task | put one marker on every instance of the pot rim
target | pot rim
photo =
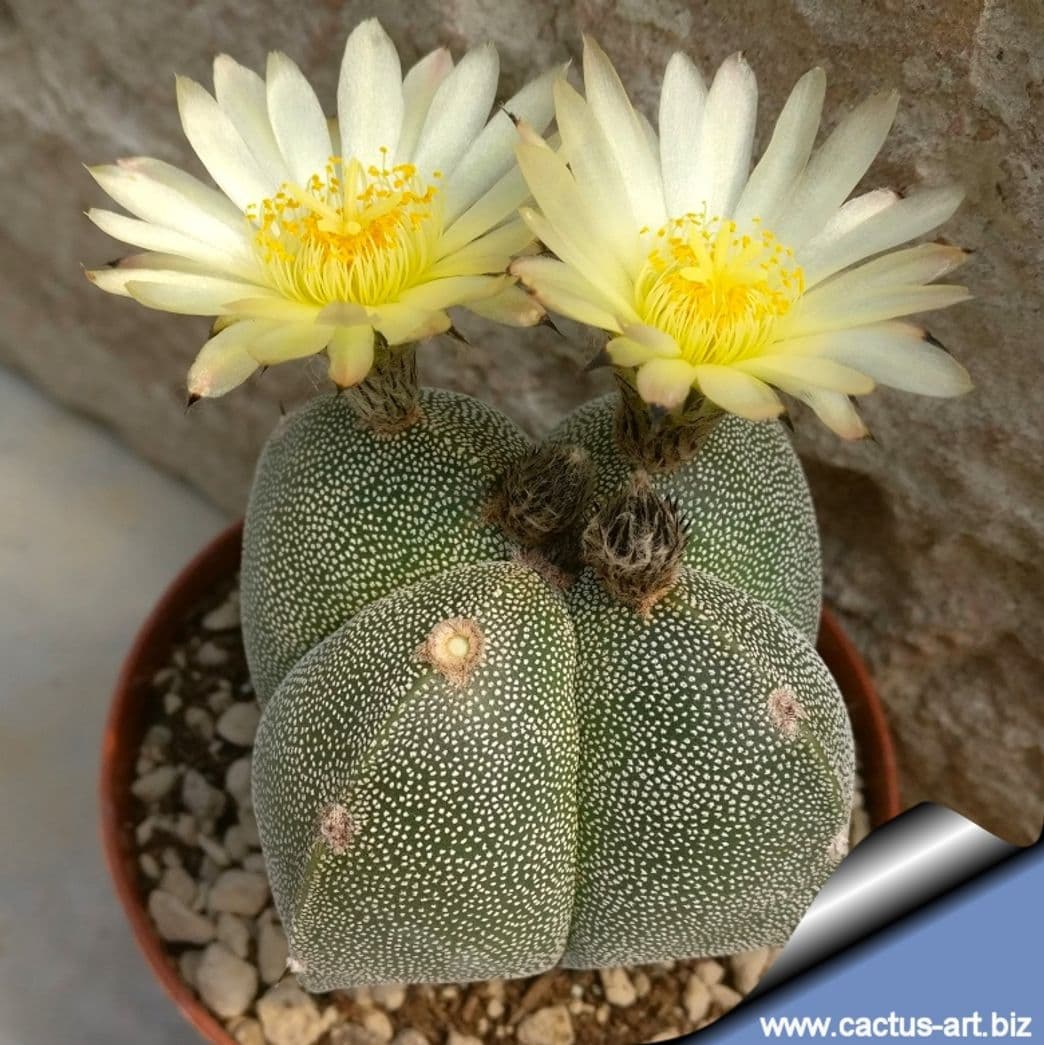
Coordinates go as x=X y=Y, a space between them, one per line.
x=218 y=559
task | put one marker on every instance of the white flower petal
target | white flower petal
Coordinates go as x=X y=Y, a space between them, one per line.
x=894 y=354
x=400 y=324
x=600 y=185
x=188 y=293
x=274 y=308
x=297 y=118
x=920 y=264
x=455 y=290
x=726 y=137
x=223 y=363
x=808 y=370
x=343 y=314
x=682 y=98
x=220 y=146
x=665 y=382
x=148 y=268
x=638 y=162
x=169 y=241
x=836 y=167
x=834 y=410
x=458 y=111
x=738 y=393
x=290 y=341
x=502 y=200
x=488 y=254
x=565 y=217
x=655 y=340
x=492 y=153
x=512 y=306
x=418 y=89
x=241 y=94
x=826 y=309
x=564 y=290
x=351 y=355
x=768 y=187
x=370 y=95
x=156 y=192
x=878 y=224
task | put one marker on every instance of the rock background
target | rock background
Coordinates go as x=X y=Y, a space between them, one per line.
x=933 y=534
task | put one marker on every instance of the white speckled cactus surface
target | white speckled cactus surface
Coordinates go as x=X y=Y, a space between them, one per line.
x=528 y=706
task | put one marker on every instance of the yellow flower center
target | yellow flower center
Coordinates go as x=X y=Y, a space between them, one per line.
x=717 y=291
x=349 y=234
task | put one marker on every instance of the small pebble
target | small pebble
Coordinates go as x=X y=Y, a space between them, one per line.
x=619 y=990
x=748 y=967
x=725 y=997
x=219 y=701
x=602 y=1014
x=495 y=1009
x=224 y=617
x=254 y=862
x=235 y=845
x=143 y=832
x=550 y=1026
x=248 y=822
x=247 y=1032
x=185 y=828
x=188 y=964
x=155 y=742
x=178 y=882
x=390 y=996
x=214 y=851
x=226 y=983
x=710 y=971
x=237 y=782
x=199 y=798
x=210 y=655
x=697 y=998
x=232 y=931
x=352 y=1034
x=149 y=865
x=239 y=892
x=667 y=1034
x=170 y=857
x=239 y=723
x=200 y=722
x=410 y=1036
x=456 y=1038
x=176 y=922
x=271 y=951
x=171 y=703
x=378 y=1024
x=642 y=984
x=289 y=1016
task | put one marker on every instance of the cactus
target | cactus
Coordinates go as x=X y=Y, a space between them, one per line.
x=480 y=776
x=738 y=484
x=414 y=780
x=356 y=495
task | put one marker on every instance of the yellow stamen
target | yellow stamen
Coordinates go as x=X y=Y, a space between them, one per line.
x=348 y=234
x=717 y=291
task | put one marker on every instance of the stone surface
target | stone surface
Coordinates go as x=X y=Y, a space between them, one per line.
x=619 y=990
x=550 y=1026
x=175 y=921
x=239 y=892
x=271 y=951
x=225 y=982
x=289 y=1016
x=931 y=534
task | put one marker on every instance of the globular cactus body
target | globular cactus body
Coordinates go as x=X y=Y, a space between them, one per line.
x=414 y=782
x=715 y=775
x=744 y=498
x=340 y=515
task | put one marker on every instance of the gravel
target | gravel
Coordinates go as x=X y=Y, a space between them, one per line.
x=202 y=875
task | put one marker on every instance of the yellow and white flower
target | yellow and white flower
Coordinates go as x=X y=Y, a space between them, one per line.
x=326 y=231
x=736 y=283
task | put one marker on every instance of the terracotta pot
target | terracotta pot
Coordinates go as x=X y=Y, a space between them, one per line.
x=213 y=566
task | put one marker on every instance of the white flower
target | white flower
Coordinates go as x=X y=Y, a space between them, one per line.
x=713 y=277
x=326 y=231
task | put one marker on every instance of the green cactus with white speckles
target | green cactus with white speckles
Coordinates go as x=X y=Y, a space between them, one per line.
x=347 y=507
x=592 y=752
